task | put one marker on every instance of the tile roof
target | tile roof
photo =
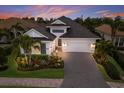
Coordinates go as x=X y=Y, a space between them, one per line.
x=106 y=29
x=76 y=30
x=26 y=25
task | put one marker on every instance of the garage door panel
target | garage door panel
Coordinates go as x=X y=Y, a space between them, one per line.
x=78 y=46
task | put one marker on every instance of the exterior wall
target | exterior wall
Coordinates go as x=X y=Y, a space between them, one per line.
x=107 y=37
x=78 y=44
x=50 y=46
x=36 y=50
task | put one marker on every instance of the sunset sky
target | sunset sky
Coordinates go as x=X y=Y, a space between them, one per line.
x=54 y=11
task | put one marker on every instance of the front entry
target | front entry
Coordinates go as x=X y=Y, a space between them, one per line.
x=59 y=46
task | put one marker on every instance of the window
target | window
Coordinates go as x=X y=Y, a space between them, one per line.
x=59 y=42
x=58 y=31
x=121 y=42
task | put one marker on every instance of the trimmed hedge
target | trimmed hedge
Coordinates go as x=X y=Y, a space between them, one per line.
x=4 y=67
x=119 y=57
x=113 y=69
x=104 y=73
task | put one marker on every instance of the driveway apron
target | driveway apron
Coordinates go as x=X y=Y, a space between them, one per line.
x=80 y=71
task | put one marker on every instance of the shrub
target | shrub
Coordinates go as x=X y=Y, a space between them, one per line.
x=119 y=57
x=106 y=47
x=113 y=69
x=3 y=67
x=3 y=57
x=39 y=62
x=8 y=50
x=104 y=73
x=40 y=59
x=56 y=62
x=36 y=59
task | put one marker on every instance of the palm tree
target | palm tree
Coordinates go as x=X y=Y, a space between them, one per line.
x=115 y=24
x=4 y=33
x=25 y=42
x=16 y=27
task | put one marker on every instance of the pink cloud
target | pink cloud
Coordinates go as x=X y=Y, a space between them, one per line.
x=57 y=12
x=108 y=13
x=45 y=11
x=116 y=14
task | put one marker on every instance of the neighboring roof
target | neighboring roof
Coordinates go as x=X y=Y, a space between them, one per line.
x=106 y=29
x=26 y=25
x=76 y=30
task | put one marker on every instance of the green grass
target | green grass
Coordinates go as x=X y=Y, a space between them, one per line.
x=103 y=72
x=43 y=73
x=119 y=69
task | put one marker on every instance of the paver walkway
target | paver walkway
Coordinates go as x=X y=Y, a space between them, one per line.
x=30 y=82
x=80 y=71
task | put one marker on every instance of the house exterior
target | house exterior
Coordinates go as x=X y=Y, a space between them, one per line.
x=105 y=32
x=63 y=35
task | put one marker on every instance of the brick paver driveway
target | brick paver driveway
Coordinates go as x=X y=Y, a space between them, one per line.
x=80 y=71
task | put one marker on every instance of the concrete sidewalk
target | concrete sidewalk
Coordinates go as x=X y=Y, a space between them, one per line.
x=30 y=82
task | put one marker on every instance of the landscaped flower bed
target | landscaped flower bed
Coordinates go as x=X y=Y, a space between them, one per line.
x=38 y=62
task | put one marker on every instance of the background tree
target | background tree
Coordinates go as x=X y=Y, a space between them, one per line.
x=14 y=28
x=40 y=20
x=32 y=19
x=79 y=20
x=115 y=25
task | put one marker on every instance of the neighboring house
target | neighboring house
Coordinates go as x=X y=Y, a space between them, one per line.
x=67 y=36
x=105 y=32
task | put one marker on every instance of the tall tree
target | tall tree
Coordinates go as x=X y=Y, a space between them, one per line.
x=40 y=20
x=115 y=25
x=79 y=20
x=16 y=27
x=25 y=42
x=32 y=18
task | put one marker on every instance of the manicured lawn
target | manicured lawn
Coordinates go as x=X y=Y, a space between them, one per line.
x=43 y=73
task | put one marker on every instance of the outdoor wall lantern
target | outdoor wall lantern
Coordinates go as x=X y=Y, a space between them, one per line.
x=93 y=45
x=64 y=44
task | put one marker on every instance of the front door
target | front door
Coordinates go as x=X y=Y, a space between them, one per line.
x=43 y=48
x=59 y=42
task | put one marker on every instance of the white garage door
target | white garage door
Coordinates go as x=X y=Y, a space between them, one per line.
x=78 y=46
